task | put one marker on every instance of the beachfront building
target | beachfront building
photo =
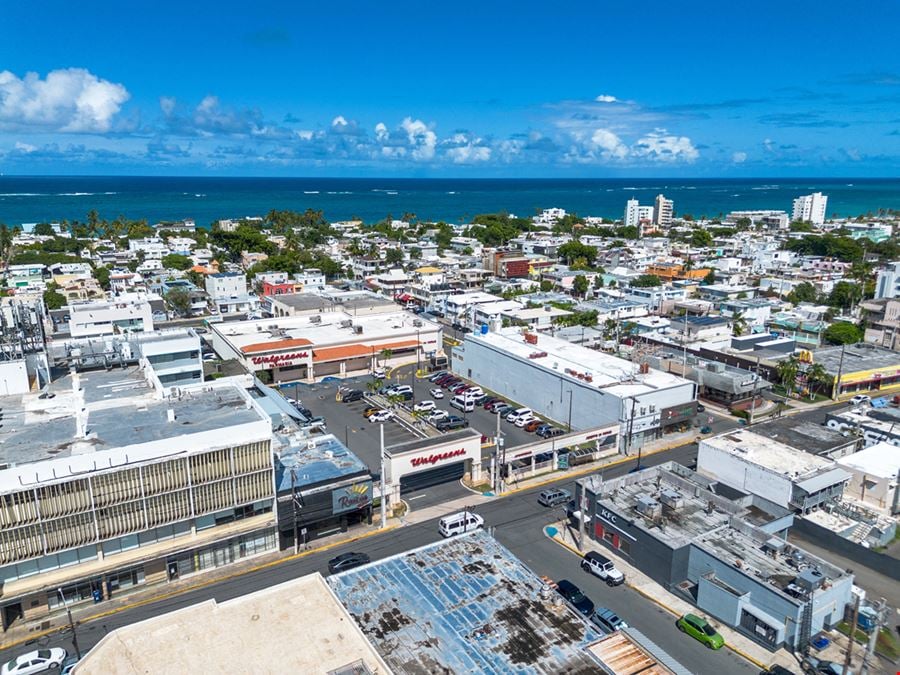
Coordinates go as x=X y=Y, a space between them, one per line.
x=810 y=208
x=663 y=211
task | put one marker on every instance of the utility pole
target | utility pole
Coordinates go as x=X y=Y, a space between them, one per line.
x=753 y=391
x=71 y=623
x=881 y=609
x=501 y=465
x=846 y=670
x=583 y=512
x=836 y=387
x=294 y=507
x=569 y=424
x=383 y=481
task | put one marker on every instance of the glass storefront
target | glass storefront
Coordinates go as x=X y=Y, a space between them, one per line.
x=220 y=554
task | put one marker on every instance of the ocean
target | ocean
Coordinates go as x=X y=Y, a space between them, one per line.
x=31 y=199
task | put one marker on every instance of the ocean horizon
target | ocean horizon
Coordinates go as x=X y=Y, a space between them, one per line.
x=31 y=199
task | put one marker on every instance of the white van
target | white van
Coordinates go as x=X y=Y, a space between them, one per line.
x=515 y=415
x=457 y=523
x=462 y=403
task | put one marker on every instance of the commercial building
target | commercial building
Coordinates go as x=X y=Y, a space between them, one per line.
x=356 y=303
x=861 y=367
x=759 y=465
x=113 y=484
x=810 y=208
x=237 y=636
x=465 y=605
x=767 y=218
x=330 y=344
x=874 y=474
x=577 y=387
x=663 y=211
x=127 y=313
x=719 y=549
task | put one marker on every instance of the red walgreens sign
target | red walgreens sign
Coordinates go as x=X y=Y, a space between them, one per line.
x=437 y=457
x=278 y=359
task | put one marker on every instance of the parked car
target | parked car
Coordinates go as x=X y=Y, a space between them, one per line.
x=501 y=409
x=490 y=405
x=69 y=665
x=777 y=670
x=815 y=666
x=522 y=420
x=607 y=620
x=601 y=566
x=437 y=415
x=436 y=376
x=859 y=399
x=451 y=422
x=533 y=425
x=701 y=408
x=517 y=414
x=424 y=406
x=701 y=630
x=573 y=595
x=549 y=431
x=371 y=410
x=553 y=497
x=352 y=395
x=37 y=661
x=477 y=399
x=490 y=400
x=437 y=393
x=347 y=561
x=378 y=373
x=381 y=416
x=461 y=388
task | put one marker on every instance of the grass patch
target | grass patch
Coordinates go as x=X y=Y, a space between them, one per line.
x=886 y=645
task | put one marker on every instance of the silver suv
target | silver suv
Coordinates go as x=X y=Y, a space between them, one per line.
x=554 y=497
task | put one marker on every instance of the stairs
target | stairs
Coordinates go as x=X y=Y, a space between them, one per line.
x=860 y=533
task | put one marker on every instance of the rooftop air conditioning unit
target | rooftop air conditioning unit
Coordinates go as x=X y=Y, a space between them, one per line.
x=315 y=318
x=671 y=498
x=346 y=323
x=358 y=330
x=417 y=323
x=649 y=507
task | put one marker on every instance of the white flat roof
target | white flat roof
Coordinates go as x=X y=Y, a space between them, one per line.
x=608 y=372
x=280 y=331
x=768 y=453
x=881 y=459
x=314 y=634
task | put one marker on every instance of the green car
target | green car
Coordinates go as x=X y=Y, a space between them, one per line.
x=701 y=630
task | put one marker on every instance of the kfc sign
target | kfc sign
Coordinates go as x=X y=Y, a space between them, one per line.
x=437 y=457
x=278 y=359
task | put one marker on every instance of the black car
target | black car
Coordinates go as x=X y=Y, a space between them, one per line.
x=352 y=395
x=451 y=422
x=777 y=670
x=347 y=561
x=575 y=597
x=701 y=408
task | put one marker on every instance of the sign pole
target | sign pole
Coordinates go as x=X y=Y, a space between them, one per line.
x=383 y=481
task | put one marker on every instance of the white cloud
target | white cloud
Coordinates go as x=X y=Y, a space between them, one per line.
x=381 y=132
x=24 y=147
x=606 y=98
x=339 y=122
x=167 y=105
x=68 y=100
x=739 y=157
x=660 y=146
x=609 y=144
x=422 y=139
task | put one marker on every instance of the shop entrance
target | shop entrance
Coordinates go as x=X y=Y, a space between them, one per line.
x=11 y=614
x=425 y=479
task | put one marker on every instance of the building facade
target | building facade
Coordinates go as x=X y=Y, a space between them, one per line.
x=810 y=208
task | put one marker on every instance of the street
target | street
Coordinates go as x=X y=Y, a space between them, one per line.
x=518 y=522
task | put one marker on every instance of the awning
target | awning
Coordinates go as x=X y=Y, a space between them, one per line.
x=823 y=480
x=273 y=346
x=767 y=619
x=340 y=353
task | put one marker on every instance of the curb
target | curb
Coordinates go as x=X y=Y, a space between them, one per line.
x=207 y=582
x=744 y=655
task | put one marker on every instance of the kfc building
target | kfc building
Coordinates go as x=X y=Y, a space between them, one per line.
x=331 y=344
x=424 y=462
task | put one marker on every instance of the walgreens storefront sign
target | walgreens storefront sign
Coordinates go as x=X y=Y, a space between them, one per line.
x=437 y=457
x=275 y=360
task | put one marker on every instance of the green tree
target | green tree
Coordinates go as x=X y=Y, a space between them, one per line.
x=701 y=238
x=580 y=285
x=710 y=278
x=386 y=355
x=598 y=281
x=101 y=274
x=179 y=300
x=843 y=333
x=6 y=238
x=53 y=299
x=44 y=230
x=574 y=250
x=646 y=281
x=818 y=378
x=844 y=295
x=176 y=261
x=415 y=253
x=394 y=256
x=800 y=226
x=802 y=292
x=546 y=285
x=739 y=324
x=787 y=372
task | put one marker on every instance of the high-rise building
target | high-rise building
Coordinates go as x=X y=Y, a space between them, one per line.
x=810 y=208
x=662 y=213
x=631 y=213
x=887 y=284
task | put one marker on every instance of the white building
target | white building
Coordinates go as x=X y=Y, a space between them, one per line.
x=228 y=293
x=888 y=282
x=663 y=211
x=810 y=208
x=153 y=248
x=769 y=218
x=576 y=386
x=874 y=474
x=631 y=217
x=127 y=313
x=763 y=466
x=457 y=307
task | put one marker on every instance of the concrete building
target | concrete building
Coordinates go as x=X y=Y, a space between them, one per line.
x=330 y=344
x=235 y=636
x=663 y=211
x=575 y=386
x=357 y=303
x=874 y=474
x=228 y=293
x=882 y=322
x=810 y=208
x=720 y=549
x=126 y=313
x=861 y=368
x=112 y=485
x=631 y=218
x=759 y=465
x=766 y=218
x=465 y=605
x=887 y=285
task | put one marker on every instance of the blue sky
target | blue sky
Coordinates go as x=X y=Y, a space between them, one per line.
x=450 y=89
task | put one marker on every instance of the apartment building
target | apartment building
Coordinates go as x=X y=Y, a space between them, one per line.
x=113 y=485
x=663 y=211
x=810 y=208
x=887 y=285
x=127 y=313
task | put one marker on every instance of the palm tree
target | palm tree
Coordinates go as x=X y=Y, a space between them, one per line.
x=787 y=370
x=738 y=324
x=818 y=377
x=386 y=355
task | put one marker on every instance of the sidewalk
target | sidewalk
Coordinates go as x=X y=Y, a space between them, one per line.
x=677 y=606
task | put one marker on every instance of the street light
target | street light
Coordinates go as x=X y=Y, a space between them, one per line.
x=71 y=623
